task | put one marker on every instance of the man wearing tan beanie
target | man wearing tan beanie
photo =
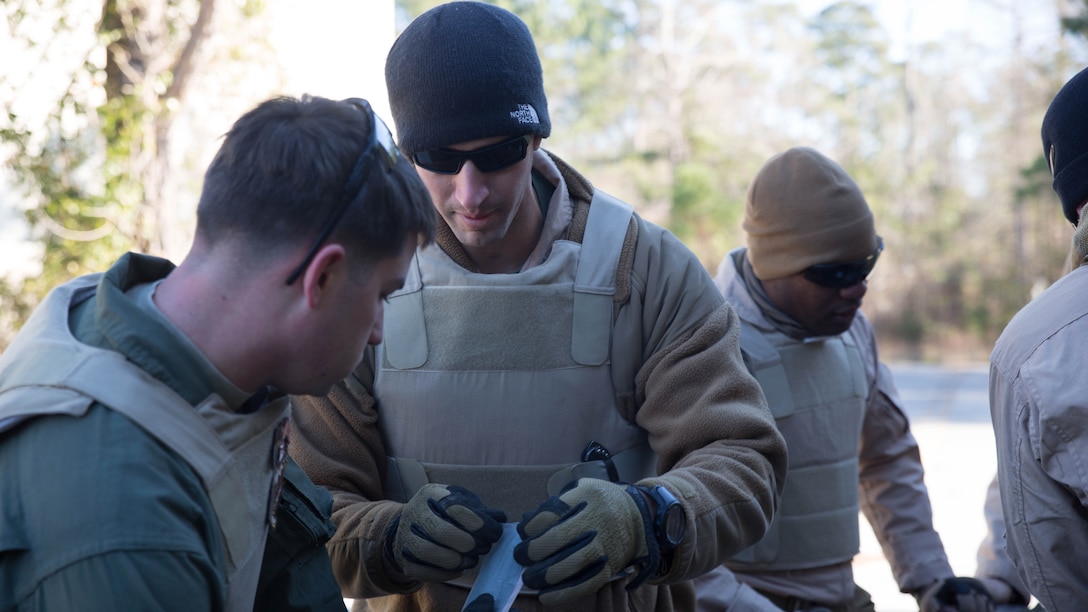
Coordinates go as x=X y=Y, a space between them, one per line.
x=797 y=289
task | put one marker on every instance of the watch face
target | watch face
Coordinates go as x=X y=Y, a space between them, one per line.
x=670 y=521
x=674 y=524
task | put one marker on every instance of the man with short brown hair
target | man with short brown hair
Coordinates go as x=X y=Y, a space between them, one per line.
x=144 y=425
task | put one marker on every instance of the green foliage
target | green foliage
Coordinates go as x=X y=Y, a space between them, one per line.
x=128 y=122
x=78 y=181
x=671 y=105
x=1035 y=179
x=254 y=8
x=674 y=106
x=74 y=222
x=583 y=45
x=851 y=45
x=91 y=169
x=1077 y=24
x=701 y=217
x=855 y=79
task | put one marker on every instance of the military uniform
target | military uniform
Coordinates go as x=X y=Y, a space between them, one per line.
x=134 y=476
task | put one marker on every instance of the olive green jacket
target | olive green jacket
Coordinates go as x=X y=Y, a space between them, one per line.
x=97 y=514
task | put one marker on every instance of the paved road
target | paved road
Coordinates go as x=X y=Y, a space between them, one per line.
x=950 y=417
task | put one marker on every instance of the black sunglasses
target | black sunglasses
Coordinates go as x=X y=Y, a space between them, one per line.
x=491 y=158
x=379 y=145
x=843 y=275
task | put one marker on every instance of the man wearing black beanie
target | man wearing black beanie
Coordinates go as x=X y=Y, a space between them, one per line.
x=1065 y=144
x=560 y=383
x=1039 y=397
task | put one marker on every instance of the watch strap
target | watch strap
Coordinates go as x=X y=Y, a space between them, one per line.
x=651 y=563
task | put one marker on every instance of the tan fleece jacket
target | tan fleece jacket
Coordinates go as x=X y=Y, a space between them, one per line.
x=706 y=417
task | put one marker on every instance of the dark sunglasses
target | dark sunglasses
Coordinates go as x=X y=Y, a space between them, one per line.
x=843 y=275
x=491 y=158
x=380 y=145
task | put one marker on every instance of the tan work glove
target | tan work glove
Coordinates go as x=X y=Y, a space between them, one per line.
x=442 y=531
x=575 y=543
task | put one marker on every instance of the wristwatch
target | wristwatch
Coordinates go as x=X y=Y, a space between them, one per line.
x=670 y=523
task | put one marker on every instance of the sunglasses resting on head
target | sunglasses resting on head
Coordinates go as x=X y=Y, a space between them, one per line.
x=491 y=158
x=379 y=148
x=843 y=275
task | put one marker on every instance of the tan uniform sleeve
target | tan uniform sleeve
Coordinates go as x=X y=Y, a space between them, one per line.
x=893 y=493
x=706 y=416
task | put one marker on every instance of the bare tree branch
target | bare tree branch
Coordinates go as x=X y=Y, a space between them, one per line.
x=66 y=233
x=184 y=66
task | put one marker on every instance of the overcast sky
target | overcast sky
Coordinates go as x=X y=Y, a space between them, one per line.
x=992 y=22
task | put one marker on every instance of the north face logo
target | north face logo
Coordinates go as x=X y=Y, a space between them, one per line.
x=525 y=114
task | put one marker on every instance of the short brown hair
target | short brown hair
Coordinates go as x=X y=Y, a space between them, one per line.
x=280 y=172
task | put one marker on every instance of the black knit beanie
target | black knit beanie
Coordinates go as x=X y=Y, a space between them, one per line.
x=1065 y=143
x=465 y=71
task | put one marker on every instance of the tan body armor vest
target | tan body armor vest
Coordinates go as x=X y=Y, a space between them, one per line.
x=46 y=371
x=816 y=391
x=498 y=382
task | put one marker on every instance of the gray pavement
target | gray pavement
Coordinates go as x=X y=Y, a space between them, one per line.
x=949 y=411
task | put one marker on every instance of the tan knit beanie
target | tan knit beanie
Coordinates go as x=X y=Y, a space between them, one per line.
x=803 y=209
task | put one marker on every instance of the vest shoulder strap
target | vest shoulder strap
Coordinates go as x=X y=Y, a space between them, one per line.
x=595 y=280
x=54 y=373
x=765 y=362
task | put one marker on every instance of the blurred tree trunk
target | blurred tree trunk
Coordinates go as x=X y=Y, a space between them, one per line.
x=150 y=57
x=93 y=165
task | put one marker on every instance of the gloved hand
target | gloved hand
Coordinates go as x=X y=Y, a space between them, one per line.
x=1006 y=598
x=442 y=531
x=575 y=543
x=999 y=590
x=951 y=594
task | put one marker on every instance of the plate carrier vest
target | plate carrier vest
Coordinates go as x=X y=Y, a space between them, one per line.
x=47 y=371
x=819 y=411
x=498 y=382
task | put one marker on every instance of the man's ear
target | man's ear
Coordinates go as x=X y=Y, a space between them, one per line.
x=327 y=272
